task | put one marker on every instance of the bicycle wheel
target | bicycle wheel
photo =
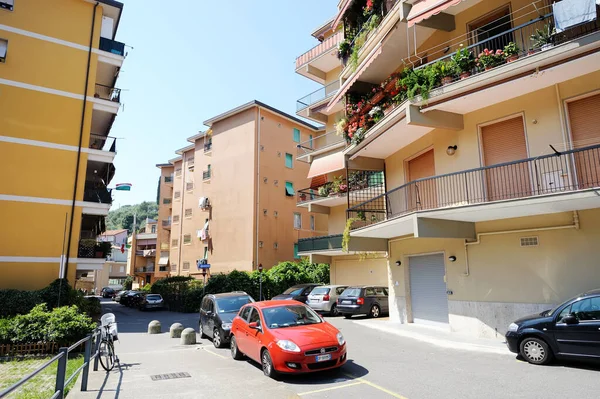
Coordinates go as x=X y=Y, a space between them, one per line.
x=107 y=355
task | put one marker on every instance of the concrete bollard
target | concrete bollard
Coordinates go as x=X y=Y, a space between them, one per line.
x=175 y=330
x=154 y=327
x=188 y=337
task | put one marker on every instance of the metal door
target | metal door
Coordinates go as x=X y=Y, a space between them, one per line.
x=428 y=289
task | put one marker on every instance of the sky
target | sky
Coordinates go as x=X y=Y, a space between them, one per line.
x=190 y=60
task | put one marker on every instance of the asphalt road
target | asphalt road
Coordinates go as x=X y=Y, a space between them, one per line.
x=379 y=366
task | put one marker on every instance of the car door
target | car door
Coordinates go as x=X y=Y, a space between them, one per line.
x=583 y=337
x=382 y=297
x=240 y=329
x=370 y=298
x=203 y=314
x=254 y=336
x=210 y=317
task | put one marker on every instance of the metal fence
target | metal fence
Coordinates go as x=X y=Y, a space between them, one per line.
x=560 y=172
x=92 y=345
x=320 y=243
x=318 y=95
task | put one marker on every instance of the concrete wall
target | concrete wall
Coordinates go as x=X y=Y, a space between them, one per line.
x=354 y=270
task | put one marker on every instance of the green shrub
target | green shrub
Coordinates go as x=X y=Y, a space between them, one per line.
x=67 y=325
x=147 y=288
x=14 y=302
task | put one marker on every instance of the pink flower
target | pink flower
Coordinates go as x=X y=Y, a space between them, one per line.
x=498 y=52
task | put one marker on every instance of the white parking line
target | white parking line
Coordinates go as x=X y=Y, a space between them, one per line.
x=331 y=388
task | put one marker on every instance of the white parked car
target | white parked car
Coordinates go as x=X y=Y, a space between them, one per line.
x=152 y=301
x=324 y=298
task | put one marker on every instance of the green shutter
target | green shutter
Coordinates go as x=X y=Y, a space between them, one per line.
x=296 y=251
x=289 y=189
x=296 y=135
x=289 y=161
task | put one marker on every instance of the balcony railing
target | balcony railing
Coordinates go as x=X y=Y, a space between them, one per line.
x=320 y=49
x=323 y=243
x=112 y=46
x=107 y=93
x=318 y=95
x=88 y=249
x=106 y=143
x=169 y=179
x=145 y=269
x=322 y=142
x=163 y=268
x=98 y=195
x=362 y=185
x=561 y=172
x=206 y=174
x=208 y=147
x=166 y=224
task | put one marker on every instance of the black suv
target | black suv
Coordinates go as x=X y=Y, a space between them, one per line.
x=217 y=313
x=298 y=292
x=369 y=300
x=570 y=330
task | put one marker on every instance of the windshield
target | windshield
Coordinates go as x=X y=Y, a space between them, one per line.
x=233 y=304
x=294 y=291
x=153 y=297
x=351 y=292
x=290 y=316
x=320 y=291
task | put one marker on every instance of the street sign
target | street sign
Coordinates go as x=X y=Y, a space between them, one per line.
x=207 y=266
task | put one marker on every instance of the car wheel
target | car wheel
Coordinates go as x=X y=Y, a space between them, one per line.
x=202 y=335
x=536 y=351
x=334 y=311
x=375 y=311
x=348 y=316
x=217 y=342
x=235 y=353
x=267 y=364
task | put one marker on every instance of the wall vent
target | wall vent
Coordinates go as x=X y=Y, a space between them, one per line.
x=529 y=241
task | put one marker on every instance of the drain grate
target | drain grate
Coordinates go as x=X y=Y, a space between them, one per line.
x=169 y=376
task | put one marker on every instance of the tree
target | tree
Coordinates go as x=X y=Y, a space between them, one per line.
x=158 y=191
x=122 y=218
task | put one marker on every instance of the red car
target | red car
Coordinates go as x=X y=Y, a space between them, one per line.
x=286 y=337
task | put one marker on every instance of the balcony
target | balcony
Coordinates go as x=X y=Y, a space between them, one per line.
x=166 y=224
x=560 y=182
x=332 y=245
x=169 y=179
x=102 y=148
x=163 y=268
x=313 y=105
x=316 y=62
x=99 y=195
x=145 y=269
x=319 y=145
x=90 y=249
x=208 y=148
x=107 y=93
x=112 y=46
x=206 y=175
x=146 y=253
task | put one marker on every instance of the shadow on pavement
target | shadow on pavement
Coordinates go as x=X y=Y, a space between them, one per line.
x=590 y=365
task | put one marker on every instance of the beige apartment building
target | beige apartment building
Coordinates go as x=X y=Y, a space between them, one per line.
x=488 y=208
x=229 y=198
x=141 y=259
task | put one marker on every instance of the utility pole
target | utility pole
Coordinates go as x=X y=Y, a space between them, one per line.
x=260 y=269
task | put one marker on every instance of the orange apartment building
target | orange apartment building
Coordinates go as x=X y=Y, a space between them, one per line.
x=229 y=197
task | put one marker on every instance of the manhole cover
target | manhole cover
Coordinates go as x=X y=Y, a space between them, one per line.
x=169 y=376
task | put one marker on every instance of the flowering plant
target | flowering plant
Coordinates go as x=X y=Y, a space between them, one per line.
x=511 y=49
x=340 y=127
x=489 y=58
x=376 y=113
x=368 y=9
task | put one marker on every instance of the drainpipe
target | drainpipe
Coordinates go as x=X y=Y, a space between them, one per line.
x=257 y=187
x=87 y=79
x=575 y=226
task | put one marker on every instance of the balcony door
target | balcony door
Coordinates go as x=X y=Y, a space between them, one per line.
x=488 y=26
x=503 y=143
x=584 y=123
x=421 y=194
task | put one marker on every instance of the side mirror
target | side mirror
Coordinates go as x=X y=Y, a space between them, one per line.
x=570 y=319
x=209 y=313
x=254 y=325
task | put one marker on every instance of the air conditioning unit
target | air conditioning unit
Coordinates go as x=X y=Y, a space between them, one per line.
x=204 y=203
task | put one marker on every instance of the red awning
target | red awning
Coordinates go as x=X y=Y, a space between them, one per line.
x=327 y=164
x=427 y=8
x=348 y=83
x=340 y=15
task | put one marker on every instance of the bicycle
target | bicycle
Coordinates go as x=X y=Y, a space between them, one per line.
x=106 y=350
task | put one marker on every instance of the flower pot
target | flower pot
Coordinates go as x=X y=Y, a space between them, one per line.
x=531 y=52
x=512 y=58
x=366 y=108
x=377 y=98
x=388 y=110
x=464 y=75
x=390 y=86
x=99 y=255
x=547 y=46
x=446 y=80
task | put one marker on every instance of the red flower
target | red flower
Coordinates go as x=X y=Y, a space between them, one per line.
x=498 y=52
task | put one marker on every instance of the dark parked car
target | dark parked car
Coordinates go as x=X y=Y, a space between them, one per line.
x=131 y=298
x=570 y=330
x=216 y=314
x=298 y=292
x=120 y=295
x=108 y=292
x=368 y=300
x=151 y=301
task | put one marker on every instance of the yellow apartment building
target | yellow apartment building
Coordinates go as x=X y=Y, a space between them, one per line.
x=489 y=207
x=59 y=62
x=229 y=198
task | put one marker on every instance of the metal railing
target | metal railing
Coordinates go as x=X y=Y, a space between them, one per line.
x=318 y=95
x=145 y=269
x=206 y=174
x=166 y=223
x=169 y=179
x=208 y=147
x=107 y=93
x=106 y=143
x=359 y=187
x=325 y=190
x=556 y=173
x=322 y=243
x=92 y=344
x=98 y=195
x=320 y=49
x=88 y=249
x=112 y=46
x=322 y=142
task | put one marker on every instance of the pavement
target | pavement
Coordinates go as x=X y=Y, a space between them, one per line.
x=385 y=361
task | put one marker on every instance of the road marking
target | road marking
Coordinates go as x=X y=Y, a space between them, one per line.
x=213 y=353
x=332 y=388
x=382 y=389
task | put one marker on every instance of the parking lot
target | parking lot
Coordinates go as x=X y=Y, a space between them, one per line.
x=380 y=365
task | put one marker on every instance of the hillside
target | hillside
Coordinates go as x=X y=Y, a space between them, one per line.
x=122 y=218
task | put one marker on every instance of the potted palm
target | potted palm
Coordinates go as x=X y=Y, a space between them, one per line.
x=464 y=61
x=543 y=38
x=511 y=52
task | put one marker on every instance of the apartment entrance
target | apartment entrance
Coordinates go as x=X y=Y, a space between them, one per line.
x=429 y=300
x=584 y=123
x=504 y=142
x=423 y=194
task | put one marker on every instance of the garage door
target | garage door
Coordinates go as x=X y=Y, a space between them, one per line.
x=428 y=289
x=356 y=272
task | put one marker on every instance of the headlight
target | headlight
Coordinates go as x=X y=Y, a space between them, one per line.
x=340 y=339
x=513 y=327
x=288 y=346
x=226 y=326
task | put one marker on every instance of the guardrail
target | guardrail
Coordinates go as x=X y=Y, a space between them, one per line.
x=99 y=142
x=322 y=243
x=107 y=93
x=318 y=95
x=92 y=344
x=112 y=46
x=322 y=142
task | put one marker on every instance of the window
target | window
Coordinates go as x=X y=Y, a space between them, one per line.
x=188 y=213
x=3 y=49
x=339 y=290
x=289 y=189
x=187 y=239
x=587 y=309
x=275 y=245
x=153 y=229
x=166 y=201
x=186 y=265
x=370 y=292
x=296 y=135
x=312 y=222
x=190 y=161
x=297 y=221
x=174 y=242
x=244 y=313
x=175 y=218
x=254 y=317
x=173 y=267
x=122 y=269
x=7 y=4
x=493 y=24
x=289 y=160
x=275 y=183
x=189 y=186
x=296 y=252
x=275 y=213
x=380 y=291
x=177 y=195
x=310 y=141
x=178 y=172
x=169 y=179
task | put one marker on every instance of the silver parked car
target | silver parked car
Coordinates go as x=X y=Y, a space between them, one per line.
x=324 y=298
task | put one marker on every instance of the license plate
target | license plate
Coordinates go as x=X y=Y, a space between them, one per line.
x=346 y=302
x=322 y=358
